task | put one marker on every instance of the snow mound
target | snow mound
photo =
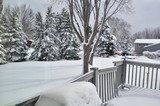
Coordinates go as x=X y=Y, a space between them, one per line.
x=152 y=55
x=73 y=94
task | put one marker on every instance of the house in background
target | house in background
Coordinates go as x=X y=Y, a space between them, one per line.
x=146 y=45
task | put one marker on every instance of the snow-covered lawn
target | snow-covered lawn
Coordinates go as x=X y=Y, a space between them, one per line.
x=24 y=80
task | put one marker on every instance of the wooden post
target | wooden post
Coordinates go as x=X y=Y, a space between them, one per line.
x=95 y=78
x=123 y=73
x=1 y=6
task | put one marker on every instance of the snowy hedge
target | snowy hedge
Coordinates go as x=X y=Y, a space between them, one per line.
x=152 y=55
x=74 y=94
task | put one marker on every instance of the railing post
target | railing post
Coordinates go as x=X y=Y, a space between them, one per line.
x=121 y=72
x=124 y=71
x=95 y=78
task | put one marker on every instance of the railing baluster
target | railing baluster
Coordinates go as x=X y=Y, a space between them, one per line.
x=148 y=72
x=113 y=89
x=156 y=78
x=140 y=75
x=152 y=78
x=103 y=91
x=107 y=86
x=129 y=66
x=143 y=76
x=136 y=75
x=100 y=86
x=132 y=74
x=112 y=85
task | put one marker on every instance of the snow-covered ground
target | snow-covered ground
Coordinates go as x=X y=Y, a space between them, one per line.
x=135 y=101
x=136 y=96
x=24 y=80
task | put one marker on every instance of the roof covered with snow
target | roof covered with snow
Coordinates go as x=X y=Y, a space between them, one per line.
x=147 y=41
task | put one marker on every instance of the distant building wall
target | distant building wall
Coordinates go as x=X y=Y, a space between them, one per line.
x=146 y=45
x=152 y=47
x=139 y=48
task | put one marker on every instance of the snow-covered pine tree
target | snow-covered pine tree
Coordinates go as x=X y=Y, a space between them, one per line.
x=2 y=54
x=14 y=39
x=69 y=47
x=2 y=50
x=44 y=39
x=52 y=42
x=38 y=37
x=105 y=47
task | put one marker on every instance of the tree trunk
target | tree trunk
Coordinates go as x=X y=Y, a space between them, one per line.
x=85 y=59
x=1 y=6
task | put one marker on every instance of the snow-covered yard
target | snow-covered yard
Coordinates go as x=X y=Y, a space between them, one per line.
x=24 y=80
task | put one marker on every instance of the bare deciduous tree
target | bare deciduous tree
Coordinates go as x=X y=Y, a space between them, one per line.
x=25 y=15
x=87 y=18
x=148 y=33
x=1 y=6
x=121 y=29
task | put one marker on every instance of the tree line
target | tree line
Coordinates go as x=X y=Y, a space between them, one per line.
x=53 y=35
x=148 y=33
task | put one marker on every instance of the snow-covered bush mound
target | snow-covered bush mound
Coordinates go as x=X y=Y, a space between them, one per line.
x=152 y=55
x=74 y=94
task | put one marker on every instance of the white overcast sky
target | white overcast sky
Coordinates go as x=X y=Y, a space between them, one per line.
x=146 y=12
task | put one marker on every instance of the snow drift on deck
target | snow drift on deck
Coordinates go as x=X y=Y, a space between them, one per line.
x=74 y=94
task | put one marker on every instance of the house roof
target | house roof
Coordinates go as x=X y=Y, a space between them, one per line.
x=147 y=41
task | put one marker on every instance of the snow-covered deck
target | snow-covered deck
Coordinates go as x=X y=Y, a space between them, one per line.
x=133 y=90
x=136 y=96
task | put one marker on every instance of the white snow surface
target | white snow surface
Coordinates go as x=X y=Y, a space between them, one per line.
x=73 y=94
x=24 y=80
x=148 y=41
x=135 y=101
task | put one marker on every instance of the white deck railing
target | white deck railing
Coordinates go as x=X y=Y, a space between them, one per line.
x=146 y=75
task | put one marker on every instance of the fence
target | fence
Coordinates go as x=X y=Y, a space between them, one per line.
x=104 y=80
x=146 y=75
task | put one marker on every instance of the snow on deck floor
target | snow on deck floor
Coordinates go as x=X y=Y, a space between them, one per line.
x=136 y=96
x=24 y=80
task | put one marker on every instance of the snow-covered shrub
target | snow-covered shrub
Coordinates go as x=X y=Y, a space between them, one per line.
x=152 y=55
x=158 y=53
x=74 y=94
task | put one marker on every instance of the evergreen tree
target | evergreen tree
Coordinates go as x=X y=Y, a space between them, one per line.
x=106 y=44
x=14 y=39
x=2 y=50
x=2 y=54
x=69 y=47
x=44 y=42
